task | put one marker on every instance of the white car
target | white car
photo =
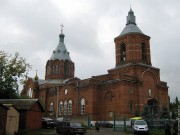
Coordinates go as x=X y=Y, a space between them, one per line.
x=140 y=126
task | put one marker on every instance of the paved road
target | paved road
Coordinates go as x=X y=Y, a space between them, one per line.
x=106 y=132
x=103 y=131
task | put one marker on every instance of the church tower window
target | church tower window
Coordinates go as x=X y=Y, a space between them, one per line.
x=143 y=52
x=66 y=68
x=48 y=70
x=59 y=67
x=82 y=106
x=56 y=69
x=123 y=52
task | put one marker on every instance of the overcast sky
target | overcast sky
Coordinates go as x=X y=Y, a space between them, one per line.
x=31 y=27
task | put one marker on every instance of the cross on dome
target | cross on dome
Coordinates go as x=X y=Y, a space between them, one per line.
x=62 y=28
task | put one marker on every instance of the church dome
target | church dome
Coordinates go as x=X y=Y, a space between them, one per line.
x=131 y=26
x=60 y=53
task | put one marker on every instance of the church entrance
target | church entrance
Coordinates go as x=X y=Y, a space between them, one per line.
x=153 y=105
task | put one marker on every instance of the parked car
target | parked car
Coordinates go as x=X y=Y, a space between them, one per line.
x=66 y=127
x=48 y=123
x=140 y=126
x=132 y=120
x=105 y=124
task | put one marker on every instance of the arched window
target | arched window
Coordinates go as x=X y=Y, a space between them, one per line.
x=66 y=68
x=59 y=67
x=61 y=108
x=150 y=93
x=56 y=69
x=70 y=107
x=51 y=69
x=48 y=70
x=65 y=107
x=82 y=106
x=30 y=93
x=144 y=52
x=123 y=52
x=51 y=109
x=131 y=106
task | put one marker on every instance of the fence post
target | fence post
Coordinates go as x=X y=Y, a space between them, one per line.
x=114 y=118
x=89 y=121
x=125 y=123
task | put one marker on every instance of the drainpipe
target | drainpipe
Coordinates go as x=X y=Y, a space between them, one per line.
x=57 y=103
x=77 y=107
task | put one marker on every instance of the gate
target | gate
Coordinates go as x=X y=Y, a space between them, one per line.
x=119 y=123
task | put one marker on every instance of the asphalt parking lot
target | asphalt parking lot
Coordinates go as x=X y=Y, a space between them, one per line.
x=103 y=131
x=106 y=131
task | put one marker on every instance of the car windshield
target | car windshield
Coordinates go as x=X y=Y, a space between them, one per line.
x=47 y=119
x=75 y=125
x=140 y=123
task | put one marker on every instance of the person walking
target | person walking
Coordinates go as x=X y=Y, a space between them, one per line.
x=167 y=128
x=97 y=126
x=175 y=126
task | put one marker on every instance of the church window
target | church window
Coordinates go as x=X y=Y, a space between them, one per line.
x=143 y=52
x=48 y=70
x=51 y=109
x=30 y=93
x=131 y=106
x=65 y=107
x=82 y=106
x=59 y=67
x=150 y=93
x=110 y=114
x=51 y=69
x=56 y=69
x=123 y=52
x=61 y=108
x=70 y=107
x=66 y=68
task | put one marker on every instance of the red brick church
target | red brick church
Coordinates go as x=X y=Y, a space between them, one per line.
x=125 y=89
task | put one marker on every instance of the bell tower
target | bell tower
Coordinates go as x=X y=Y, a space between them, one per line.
x=60 y=65
x=132 y=46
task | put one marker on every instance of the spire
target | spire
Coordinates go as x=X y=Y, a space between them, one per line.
x=61 y=36
x=131 y=18
x=36 y=77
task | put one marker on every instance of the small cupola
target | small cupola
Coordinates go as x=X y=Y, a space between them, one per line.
x=60 y=65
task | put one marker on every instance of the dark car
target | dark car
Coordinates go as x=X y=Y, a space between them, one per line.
x=70 y=128
x=48 y=123
x=105 y=124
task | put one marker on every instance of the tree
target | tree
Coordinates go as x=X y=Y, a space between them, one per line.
x=173 y=106
x=164 y=113
x=146 y=112
x=13 y=70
